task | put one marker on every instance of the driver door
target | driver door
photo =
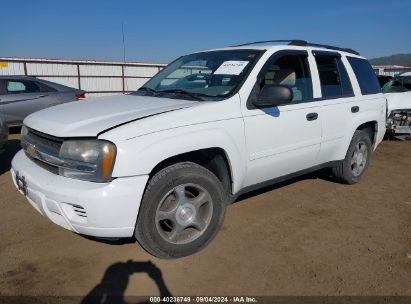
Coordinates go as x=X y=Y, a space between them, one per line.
x=284 y=139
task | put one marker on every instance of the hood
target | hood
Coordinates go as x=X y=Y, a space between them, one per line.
x=398 y=101
x=90 y=117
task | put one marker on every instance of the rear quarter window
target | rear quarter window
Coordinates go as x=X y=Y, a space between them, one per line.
x=45 y=88
x=365 y=75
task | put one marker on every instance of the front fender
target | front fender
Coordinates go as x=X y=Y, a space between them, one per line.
x=139 y=155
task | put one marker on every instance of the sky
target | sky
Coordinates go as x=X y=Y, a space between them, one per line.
x=160 y=31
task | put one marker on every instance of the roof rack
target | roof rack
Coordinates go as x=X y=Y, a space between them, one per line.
x=297 y=42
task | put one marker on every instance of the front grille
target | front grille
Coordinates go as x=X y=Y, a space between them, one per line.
x=80 y=211
x=47 y=143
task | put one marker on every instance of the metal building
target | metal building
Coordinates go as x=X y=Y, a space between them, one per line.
x=97 y=78
x=391 y=70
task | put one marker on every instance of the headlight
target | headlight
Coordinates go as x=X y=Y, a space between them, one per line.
x=389 y=122
x=24 y=131
x=86 y=159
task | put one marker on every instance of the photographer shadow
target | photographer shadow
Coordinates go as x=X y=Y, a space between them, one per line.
x=112 y=287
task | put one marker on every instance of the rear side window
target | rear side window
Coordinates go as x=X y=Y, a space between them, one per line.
x=366 y=77
x=17 y=87
x=334 y=79
x=45 y=88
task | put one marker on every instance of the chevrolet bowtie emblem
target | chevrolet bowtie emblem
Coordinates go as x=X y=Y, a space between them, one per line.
x=31 y=151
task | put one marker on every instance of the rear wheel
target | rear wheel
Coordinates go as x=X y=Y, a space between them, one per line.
x=352 y=168
x=182 y=210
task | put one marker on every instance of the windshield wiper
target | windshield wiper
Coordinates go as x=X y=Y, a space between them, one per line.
x=179 y=91
x=147 y=89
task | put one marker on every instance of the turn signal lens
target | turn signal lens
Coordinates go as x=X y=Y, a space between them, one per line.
x=107 y=159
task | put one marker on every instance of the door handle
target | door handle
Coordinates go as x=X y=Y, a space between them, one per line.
x=312 y=116
x=355 y=109
x=43 y=96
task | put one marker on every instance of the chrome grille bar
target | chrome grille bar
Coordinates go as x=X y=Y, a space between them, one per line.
x=47 y=151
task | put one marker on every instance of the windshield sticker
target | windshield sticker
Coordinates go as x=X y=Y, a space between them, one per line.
x=231 y=67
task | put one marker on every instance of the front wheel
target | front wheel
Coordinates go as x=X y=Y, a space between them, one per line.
x=182 y=210
x=352 y=168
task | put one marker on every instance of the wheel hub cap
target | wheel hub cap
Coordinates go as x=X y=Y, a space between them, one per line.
x=359 y=159
x=185 y=214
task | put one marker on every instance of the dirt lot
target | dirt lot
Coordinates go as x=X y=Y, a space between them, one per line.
x=308 y=236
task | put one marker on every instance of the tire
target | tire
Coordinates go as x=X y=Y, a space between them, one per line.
x=352 y=168
x=182 y=210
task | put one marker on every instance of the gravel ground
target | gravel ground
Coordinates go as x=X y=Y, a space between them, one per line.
x=307 y=236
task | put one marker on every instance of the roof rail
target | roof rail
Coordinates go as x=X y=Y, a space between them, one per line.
x=298 y=42
x=305 y=43
x=266 y=41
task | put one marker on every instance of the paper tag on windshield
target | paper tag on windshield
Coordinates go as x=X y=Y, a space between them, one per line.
x=231 y=67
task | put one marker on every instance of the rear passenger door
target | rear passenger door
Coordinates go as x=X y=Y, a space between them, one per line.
x=337 y=100
x=284 y=139
x=21 y=98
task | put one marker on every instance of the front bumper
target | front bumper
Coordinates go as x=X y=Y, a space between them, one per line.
x=95 y=209
x=399 y=130
x=399 y=122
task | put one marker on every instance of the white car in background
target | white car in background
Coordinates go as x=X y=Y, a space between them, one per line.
x=398 y=93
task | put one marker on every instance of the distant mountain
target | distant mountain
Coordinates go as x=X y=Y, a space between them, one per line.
x=398 y=59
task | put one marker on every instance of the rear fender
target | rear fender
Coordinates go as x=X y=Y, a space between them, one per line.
x=362 y=118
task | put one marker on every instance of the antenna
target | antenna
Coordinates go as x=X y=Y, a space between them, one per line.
x=124 y=56
x=124 y=42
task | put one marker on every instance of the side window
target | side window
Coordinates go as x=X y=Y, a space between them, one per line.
x=17 y=87
x=292 y=71
x=366 y=77
x=334 y=79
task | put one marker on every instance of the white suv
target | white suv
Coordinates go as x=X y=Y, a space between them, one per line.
x=161 y=164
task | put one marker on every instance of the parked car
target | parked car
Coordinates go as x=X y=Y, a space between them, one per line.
x=21 y=96
x=163 y=163
x=4 y=133
x=398 y=93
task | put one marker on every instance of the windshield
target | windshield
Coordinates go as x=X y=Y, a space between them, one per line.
x=202 y=76
x=397 y=85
